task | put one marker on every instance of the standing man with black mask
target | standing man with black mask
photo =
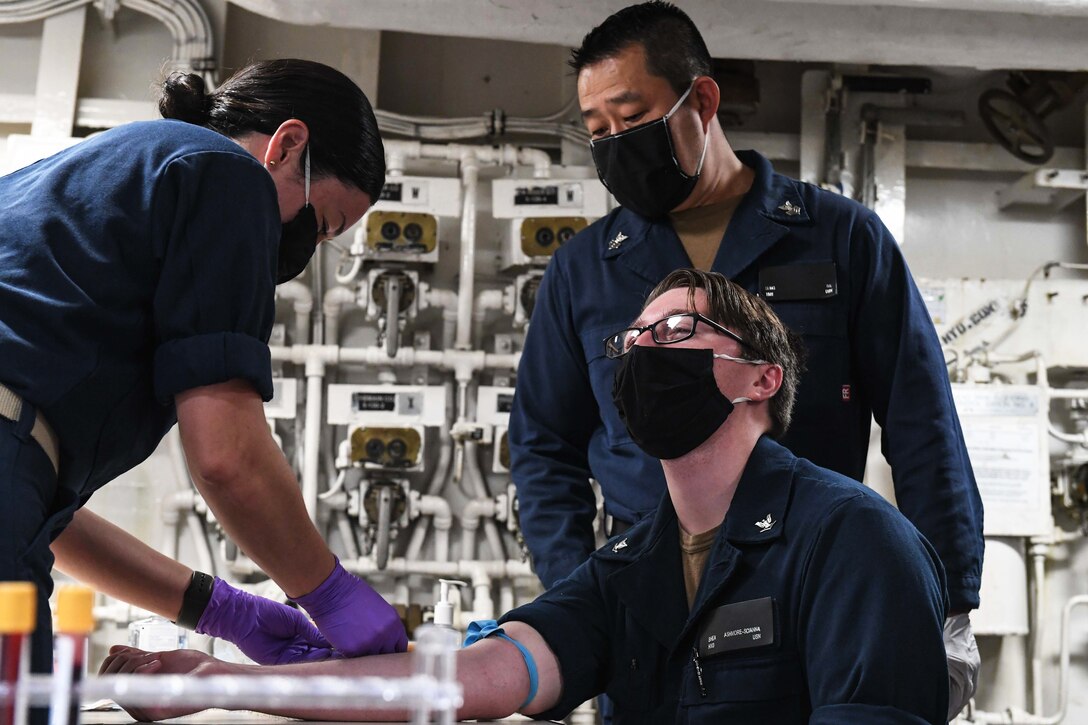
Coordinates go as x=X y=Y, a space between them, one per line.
x=829 y=267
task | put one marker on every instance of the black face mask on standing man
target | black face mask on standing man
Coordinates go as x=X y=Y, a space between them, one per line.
x=298 y=237
x=639 y=166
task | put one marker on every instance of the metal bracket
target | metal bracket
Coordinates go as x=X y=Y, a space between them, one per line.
x=1054 y=188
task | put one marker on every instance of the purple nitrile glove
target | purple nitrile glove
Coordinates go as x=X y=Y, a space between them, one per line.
x=268 y=632
x=353 y=616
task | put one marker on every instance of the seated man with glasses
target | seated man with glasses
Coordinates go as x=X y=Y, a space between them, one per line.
x=763 y=590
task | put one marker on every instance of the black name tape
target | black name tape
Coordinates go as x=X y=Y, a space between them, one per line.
x=743 y=625
x=810 y=281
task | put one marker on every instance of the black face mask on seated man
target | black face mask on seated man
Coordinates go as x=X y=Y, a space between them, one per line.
x=639 y=166
x=669 y=399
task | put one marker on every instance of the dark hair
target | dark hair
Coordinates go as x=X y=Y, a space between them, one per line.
x=344 y=141
x=674 y=48
x=753 y=320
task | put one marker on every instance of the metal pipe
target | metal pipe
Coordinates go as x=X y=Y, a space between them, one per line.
x=392 y=314
x=384 y=524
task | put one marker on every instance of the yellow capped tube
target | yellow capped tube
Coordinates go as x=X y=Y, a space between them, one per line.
x=18 y=607
x=75 y=610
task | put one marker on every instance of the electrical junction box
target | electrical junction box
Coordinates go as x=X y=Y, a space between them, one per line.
x=493 y=406
x=543 y=214
x=284 y=403
x=403 y=224
x=1005 y=427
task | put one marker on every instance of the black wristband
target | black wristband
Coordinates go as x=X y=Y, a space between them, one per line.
x=195 y=600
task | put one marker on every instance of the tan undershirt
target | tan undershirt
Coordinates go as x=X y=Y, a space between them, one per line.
x=701 y=230
x=694 y=551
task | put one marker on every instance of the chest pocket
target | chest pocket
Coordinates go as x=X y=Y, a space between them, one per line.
x=638 y=665
x=813 y=318
x=759 y=691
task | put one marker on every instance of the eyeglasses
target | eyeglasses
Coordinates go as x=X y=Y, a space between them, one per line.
x=674 y=328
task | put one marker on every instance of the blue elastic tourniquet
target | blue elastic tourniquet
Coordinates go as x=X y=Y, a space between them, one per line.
x=485 y=628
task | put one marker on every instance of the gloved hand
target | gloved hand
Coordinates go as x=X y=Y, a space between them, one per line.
x=963 y=662
x=353 y=616
x=269 y=633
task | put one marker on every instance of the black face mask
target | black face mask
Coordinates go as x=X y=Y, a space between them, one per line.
x=640 y=168
x=669 y=399
x=298 y=241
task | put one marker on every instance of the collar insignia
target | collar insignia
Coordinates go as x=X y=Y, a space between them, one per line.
x=790 y=209
x=765 y=524
x=621 y=545
x=617 y=242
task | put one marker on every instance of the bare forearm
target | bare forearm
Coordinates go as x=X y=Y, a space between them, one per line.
x=492 y=674
x=263 y=512
x=113 y=561
x=246 y=481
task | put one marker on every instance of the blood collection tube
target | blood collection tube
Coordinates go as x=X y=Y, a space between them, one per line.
x=18 y=610
x=75 y=620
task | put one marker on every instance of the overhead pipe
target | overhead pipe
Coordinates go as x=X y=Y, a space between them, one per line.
x=1074 y=8
x=188 y=24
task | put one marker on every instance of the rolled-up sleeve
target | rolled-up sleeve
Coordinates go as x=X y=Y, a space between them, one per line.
x=214 y=306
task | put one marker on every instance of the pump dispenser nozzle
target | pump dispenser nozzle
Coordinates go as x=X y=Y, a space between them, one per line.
x=443 y=609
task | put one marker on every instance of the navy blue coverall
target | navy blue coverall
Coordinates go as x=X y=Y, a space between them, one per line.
x=856 y=605
x=872 y=350
x=134 y=265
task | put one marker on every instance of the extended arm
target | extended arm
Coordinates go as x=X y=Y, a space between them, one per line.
x=492 y=673
x=116 y=563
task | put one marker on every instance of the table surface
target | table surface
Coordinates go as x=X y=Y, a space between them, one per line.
x=221 y=717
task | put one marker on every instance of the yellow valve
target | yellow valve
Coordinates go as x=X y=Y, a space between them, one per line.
x=18 y=607
x=541 y=236
x=75 y=606
x=398 y=231
x=388 y=447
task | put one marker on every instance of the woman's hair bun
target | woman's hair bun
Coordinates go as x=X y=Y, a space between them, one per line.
x=183 y=98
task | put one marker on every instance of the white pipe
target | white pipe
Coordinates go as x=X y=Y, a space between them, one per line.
x=441 y=515
x=470 y=172
x=500 y=154
x=303 y=300
x=1039 y=553
x=479 y=487
x=458 y=361
x=1026 y=7
x=474 y=511
x=488 y=299
x=335 y=298
x=483 y=605
x=506 y=596
x=315 y=373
